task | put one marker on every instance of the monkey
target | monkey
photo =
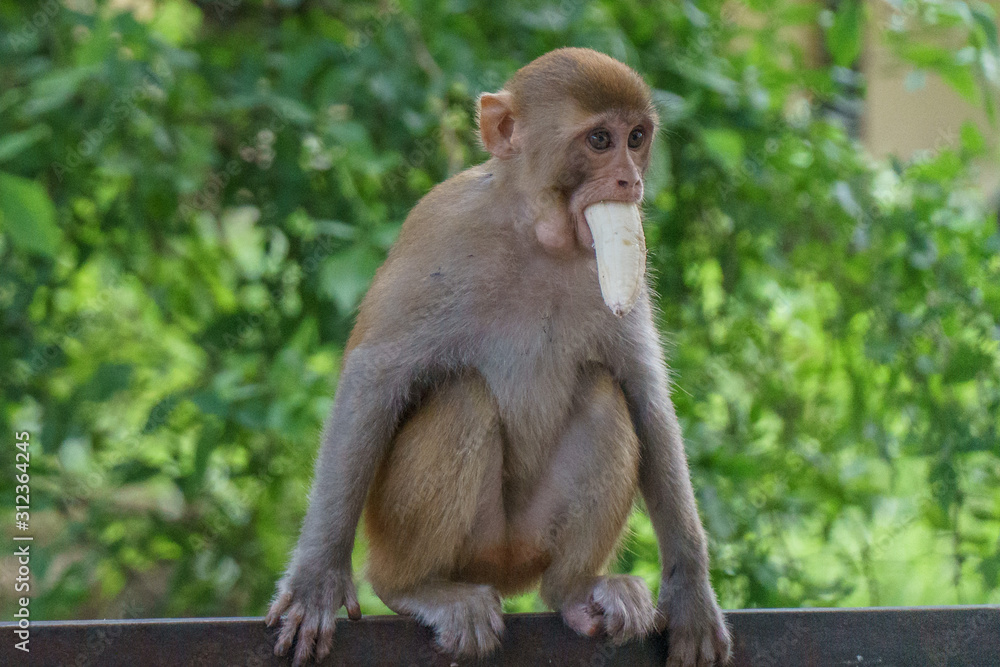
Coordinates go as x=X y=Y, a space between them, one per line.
x=504 y=395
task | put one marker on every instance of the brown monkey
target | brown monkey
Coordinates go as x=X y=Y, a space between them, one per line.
x=503 y=394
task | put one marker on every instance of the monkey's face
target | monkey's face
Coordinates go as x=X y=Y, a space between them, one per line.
x=607 y=161
x=608 y=156
x=577 y=136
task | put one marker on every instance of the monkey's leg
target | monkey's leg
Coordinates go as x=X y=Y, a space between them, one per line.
x=582 y=505
x=467 y=619
x=440 y=484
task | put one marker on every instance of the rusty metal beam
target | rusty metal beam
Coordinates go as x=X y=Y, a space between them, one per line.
x=902 y=637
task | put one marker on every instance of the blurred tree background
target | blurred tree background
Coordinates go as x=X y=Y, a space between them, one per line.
x=194 y=195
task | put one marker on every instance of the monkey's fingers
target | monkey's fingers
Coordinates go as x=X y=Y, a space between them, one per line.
x=288 y=629
x=723 y=645
x=691 y=650
x=351 y=603
x=683 y=652
x=307 y=638
x=278 y=608
x=324 y=641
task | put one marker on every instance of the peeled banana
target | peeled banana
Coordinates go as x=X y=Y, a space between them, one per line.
x=621 y=252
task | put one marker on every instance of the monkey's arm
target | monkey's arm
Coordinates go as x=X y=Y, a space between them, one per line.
x=686 y=600
x=372 y=392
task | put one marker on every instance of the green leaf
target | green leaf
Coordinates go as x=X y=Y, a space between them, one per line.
x=844 y=37
x=972 y=138
x=28 y=216
x=961 y=78
x=108 y=380
x=133 y=472
x=14 y=144
x=210 y=402
x=965 y=363
x=54 y=90
x=176 y=21
x=160 y=413
x=926 y=55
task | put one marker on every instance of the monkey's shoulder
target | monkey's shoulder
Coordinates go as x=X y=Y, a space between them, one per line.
x=450 y=237
x=454 y=214
x=448 y=261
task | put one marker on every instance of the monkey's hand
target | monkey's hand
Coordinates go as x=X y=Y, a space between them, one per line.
x=309 y=604
x=697 y=635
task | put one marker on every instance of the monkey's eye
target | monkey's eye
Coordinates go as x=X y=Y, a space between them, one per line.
x=636 y=137
x=599 y=140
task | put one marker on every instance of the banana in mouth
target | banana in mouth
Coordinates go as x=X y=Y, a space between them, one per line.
x=621 y=252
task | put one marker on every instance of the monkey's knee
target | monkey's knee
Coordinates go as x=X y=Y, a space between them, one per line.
x=423 y=501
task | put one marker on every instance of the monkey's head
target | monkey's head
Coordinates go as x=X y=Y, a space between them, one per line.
x=576 y=126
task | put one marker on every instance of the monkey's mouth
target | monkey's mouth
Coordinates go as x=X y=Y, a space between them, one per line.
x=621 y=252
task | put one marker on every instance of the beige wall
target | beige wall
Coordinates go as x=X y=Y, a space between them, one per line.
x=901 y=122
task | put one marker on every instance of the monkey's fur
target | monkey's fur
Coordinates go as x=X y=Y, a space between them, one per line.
x=494 y=414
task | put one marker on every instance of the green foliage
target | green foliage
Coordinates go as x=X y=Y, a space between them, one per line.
x=845 y=36
x=27 y=215
x=194 y=197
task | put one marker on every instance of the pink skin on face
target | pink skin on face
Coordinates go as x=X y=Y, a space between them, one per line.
x=617 y=173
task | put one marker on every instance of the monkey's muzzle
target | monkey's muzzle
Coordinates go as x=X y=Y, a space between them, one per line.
x=621 y=252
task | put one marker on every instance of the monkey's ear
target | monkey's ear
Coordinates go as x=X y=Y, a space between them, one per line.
x=496 y=123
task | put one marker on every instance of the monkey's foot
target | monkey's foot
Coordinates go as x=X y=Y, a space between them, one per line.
x=696 y=630
x=619 y=606
x=307 y=604
x=467 y=619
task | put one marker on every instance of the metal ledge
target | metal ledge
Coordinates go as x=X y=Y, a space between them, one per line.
x=883 y=637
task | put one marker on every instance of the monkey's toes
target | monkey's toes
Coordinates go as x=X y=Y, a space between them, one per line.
x=278 y=607
x=471 y=626
x=626 y=605
x=584 y=618
x=619 y=606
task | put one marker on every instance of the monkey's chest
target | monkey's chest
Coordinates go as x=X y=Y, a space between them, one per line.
x=533 y=369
